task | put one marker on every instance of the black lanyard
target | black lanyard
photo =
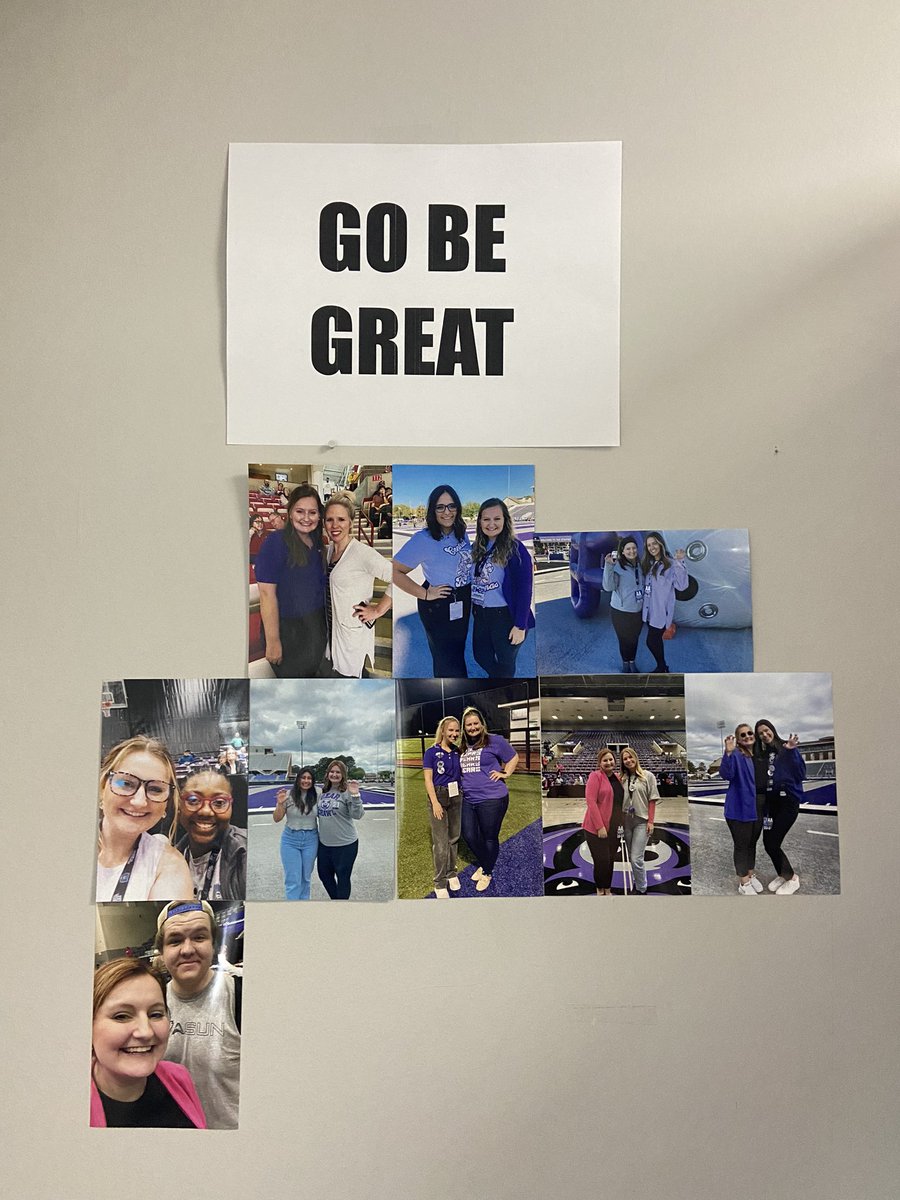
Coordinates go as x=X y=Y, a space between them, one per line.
x=203 y=894
x=122 y=886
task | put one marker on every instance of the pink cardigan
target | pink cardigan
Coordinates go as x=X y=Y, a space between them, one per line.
x=176 y=1080
x=599 y=796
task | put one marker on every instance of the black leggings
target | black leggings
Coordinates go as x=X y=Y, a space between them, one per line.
x=745 y=835
x=303 y=641
x=784 y=811
x=334 y=865
x=656 y=648
x=628 y=629
x=446 y=638
x=603 y=851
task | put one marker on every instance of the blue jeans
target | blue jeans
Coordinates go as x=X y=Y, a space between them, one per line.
x=298 y=854
x=481 y=828
x=636 y=840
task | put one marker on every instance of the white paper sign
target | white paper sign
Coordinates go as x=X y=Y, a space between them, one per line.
x=424 y=295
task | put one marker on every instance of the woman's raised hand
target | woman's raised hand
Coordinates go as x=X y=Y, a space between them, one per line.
x=729 y=744
x=793 y=742
x=610 y=559
x=281 y=795
x=353 y=787
x=679 y=554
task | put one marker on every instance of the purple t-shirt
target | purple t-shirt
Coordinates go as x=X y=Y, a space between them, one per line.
x=301 y=590
x=443 y=764
x=476 y=766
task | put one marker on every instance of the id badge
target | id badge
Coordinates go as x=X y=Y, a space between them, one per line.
x=456 y=610
x=452 y=788
x=767 y=822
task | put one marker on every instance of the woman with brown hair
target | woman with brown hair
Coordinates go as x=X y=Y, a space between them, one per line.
x=290 y=574
x=604 y=795
x=486 y=762
x=137 y=787
x=131 y=1085
x=339 y=806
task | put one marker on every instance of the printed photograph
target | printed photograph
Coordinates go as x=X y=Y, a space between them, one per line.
x=172 y=806
x=614 y=778
x=463 y=572
x=321 y=790
x=762 y=783
x=643 y=601
x=166 y=1032
x=320 y=571
x=468 y=774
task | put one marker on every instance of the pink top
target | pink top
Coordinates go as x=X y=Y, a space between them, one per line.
x=176 y=1080
x=599 y=796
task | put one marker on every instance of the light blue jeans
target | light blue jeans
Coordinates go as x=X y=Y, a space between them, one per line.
x=636 y=840
x=298 y=855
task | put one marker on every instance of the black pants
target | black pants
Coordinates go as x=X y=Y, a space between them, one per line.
x=628 y=629
x=493 y=650
x=745 y=835
x=303 y=641
x=481 y=829
x=784 y=811
x=656 y=647
x=335 y=866
x=603 y=851
x=446 y=638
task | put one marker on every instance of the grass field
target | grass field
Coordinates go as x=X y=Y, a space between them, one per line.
x=415 y=873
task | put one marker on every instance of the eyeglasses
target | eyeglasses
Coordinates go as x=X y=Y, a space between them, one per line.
x=157 y=791
x=218 y=804
x=446 y=508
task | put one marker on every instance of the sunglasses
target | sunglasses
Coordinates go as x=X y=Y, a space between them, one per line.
x=121 y=783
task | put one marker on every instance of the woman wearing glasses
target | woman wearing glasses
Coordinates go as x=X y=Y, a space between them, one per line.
x=137 y=784
x=780 y=772
x=443 y=551
x=502 y=582
x=290 y=574
x=214 y=849
x=743 y=808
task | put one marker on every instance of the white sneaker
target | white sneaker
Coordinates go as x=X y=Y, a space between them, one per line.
x=789 y=886
x=755 y=884
x=484 y=883
x=746 y=889
x=453 y=883
x=776 y=883
x=476 y=875
x=441 y=894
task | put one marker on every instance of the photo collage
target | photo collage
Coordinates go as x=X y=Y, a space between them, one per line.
x=443 y=701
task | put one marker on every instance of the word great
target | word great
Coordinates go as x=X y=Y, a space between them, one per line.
x=381 y=341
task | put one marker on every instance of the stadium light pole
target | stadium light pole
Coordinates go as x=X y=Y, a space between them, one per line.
x=301 y=725
x=720 y=725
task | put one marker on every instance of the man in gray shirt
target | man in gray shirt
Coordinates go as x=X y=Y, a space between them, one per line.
x=204 y=1009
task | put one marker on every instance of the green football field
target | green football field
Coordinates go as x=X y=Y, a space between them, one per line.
x=415 y=872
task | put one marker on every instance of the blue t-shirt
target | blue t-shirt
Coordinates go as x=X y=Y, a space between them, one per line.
x=445 y=561
x=487 y=582
x=476 y=765
x=443 y=764
x=301 y=590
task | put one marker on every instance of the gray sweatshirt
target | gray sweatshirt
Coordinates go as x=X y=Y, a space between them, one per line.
x=337 y=812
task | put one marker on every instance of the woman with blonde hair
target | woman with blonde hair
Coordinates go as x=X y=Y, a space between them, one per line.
x=131 y=1084
x=137 y=789
x=443 y=780
x=352 y=567
x=638 y=812
x=603 y=794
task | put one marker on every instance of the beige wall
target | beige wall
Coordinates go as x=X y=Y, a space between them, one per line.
x=700 y=1049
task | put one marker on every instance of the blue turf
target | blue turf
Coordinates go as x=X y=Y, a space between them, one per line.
x=519 y=870
x=412 y=658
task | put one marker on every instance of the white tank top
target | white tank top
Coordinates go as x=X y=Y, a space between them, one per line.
x=151 y=848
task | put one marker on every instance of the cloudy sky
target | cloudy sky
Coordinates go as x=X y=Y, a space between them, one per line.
x=798 y=704
x=344 y=716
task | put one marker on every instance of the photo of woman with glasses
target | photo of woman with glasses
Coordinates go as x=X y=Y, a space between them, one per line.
x=137 y=785
x=743 y=807
x=780 y=772
x=298 y=807
x=443 y=551
x=502 y=584
x=290 y=575
x=214 y=849
x=663 y=576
